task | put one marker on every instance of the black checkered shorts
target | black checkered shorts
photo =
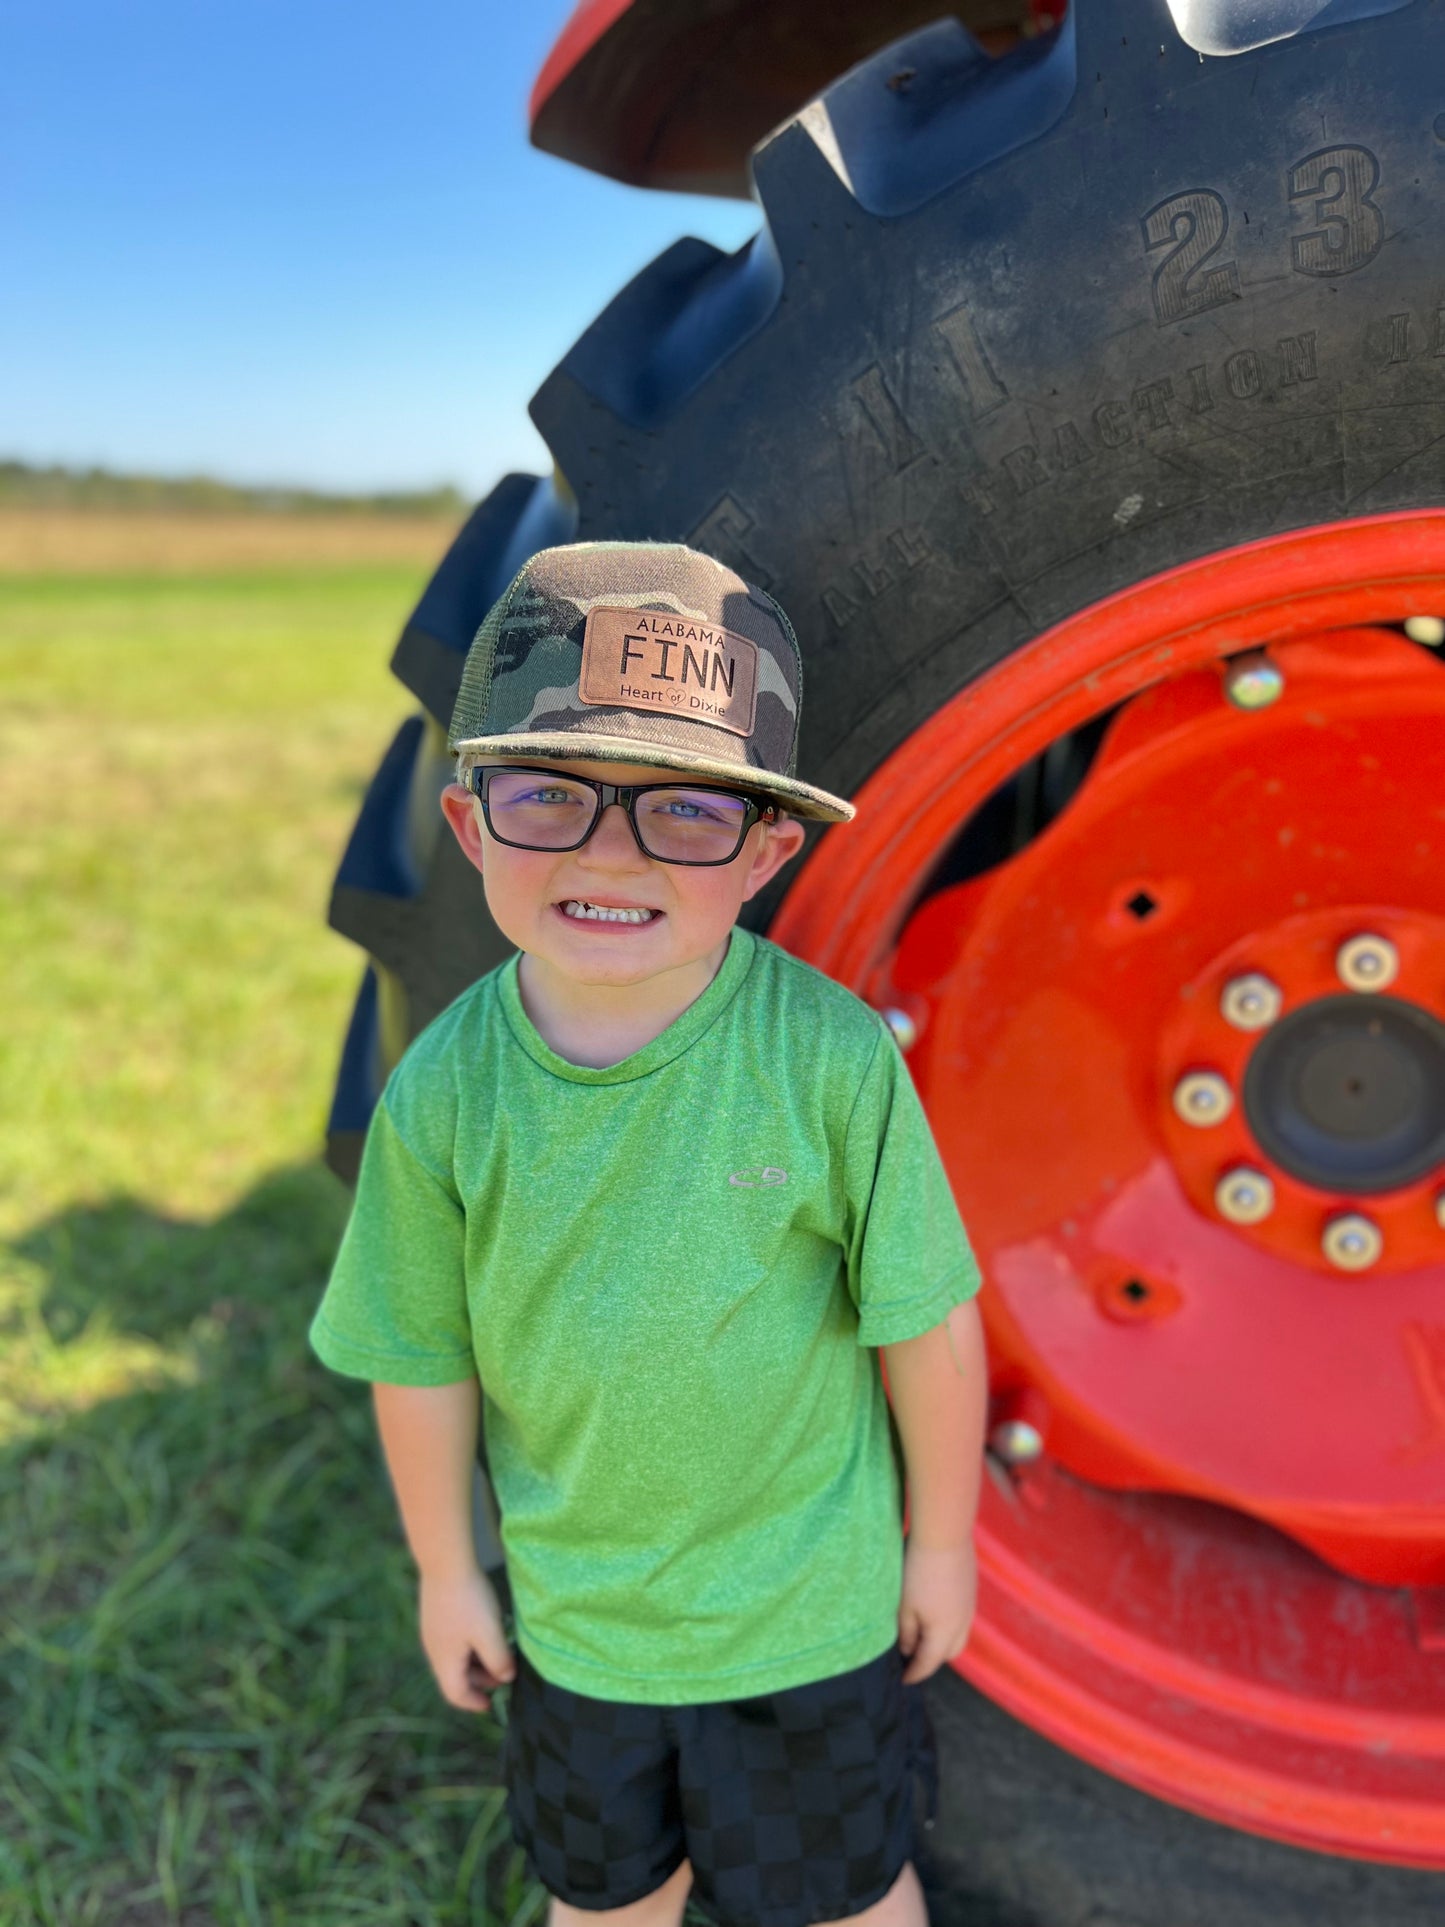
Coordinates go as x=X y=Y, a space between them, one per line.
x=792 y=1807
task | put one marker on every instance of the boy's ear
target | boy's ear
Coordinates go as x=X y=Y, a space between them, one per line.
x=460 y=810
x=779 y=844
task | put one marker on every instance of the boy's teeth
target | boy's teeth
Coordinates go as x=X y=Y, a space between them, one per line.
x=594 y=913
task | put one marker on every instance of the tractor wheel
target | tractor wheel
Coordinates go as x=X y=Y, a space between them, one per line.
x=1085 y=408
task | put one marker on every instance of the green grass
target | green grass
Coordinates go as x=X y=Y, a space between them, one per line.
x=213 y=1706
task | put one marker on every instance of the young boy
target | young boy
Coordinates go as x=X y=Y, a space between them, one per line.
x=651 y=1197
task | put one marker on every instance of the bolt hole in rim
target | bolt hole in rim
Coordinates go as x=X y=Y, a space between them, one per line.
x=1239 y=1655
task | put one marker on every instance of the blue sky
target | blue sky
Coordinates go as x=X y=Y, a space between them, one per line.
x=296 y=240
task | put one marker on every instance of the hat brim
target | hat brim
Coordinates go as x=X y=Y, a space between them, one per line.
x=799 y=799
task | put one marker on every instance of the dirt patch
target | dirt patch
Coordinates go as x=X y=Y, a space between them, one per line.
x=63 y=541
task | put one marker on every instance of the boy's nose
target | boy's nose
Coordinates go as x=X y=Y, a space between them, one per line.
x=612 y=842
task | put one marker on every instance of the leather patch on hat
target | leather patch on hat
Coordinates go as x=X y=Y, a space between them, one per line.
x=666 y=665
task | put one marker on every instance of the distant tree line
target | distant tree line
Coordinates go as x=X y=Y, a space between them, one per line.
x=98 y=488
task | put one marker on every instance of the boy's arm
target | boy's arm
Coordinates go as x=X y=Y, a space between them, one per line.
x=908 y=1255
x=429 y=1436
x=938 y=1384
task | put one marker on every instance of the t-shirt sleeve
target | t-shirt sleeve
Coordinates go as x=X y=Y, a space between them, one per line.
x=909 y=1259
x=395 y=1309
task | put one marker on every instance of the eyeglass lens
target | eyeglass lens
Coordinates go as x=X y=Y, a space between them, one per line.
x=545 y=812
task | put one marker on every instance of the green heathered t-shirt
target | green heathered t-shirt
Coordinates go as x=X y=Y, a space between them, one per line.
x=667 y=1275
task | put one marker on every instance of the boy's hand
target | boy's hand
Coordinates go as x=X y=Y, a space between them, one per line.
x=940 y=1590
x=461 y=1634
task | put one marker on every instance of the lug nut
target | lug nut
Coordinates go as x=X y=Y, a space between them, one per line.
x=1427 y=629
x=1367 y=963
x=1016 y=1442
x=1250 y=1003
x=1244 y=1196
x=1253 y=682
x=1203 y=1097
x=905 y=1031
x=1352 y=1242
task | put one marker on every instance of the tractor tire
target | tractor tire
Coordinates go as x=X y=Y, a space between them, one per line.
x=1015 y=335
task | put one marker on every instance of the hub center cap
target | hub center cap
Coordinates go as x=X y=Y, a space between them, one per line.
x=1348 y=1093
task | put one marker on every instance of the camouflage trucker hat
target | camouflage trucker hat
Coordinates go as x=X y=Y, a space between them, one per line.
x=641 y=652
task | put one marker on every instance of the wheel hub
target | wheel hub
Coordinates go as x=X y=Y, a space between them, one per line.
x=1348 y=1094
x=1069 y=994
x=1219 y=973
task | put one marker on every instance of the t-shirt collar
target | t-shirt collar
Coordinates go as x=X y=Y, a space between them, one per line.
x=679 y=1036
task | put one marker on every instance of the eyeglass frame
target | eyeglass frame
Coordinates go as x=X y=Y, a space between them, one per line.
x=478 y=777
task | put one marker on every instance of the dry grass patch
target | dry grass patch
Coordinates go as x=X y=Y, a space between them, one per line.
x=70 y=541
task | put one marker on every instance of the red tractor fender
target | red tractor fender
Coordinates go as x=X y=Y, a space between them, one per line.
x=677 y=93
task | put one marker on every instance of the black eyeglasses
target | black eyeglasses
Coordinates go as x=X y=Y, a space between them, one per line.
x=545 y=809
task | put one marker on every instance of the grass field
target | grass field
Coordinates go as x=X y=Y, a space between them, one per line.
x=213 y=1708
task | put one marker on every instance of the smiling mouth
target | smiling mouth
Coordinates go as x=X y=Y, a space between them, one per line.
x=583 y=912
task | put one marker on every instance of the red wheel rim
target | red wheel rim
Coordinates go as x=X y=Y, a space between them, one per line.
x=1222 y=1579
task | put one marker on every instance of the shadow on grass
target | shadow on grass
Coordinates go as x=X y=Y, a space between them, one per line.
x=154 y=1276
x=213 y=1701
